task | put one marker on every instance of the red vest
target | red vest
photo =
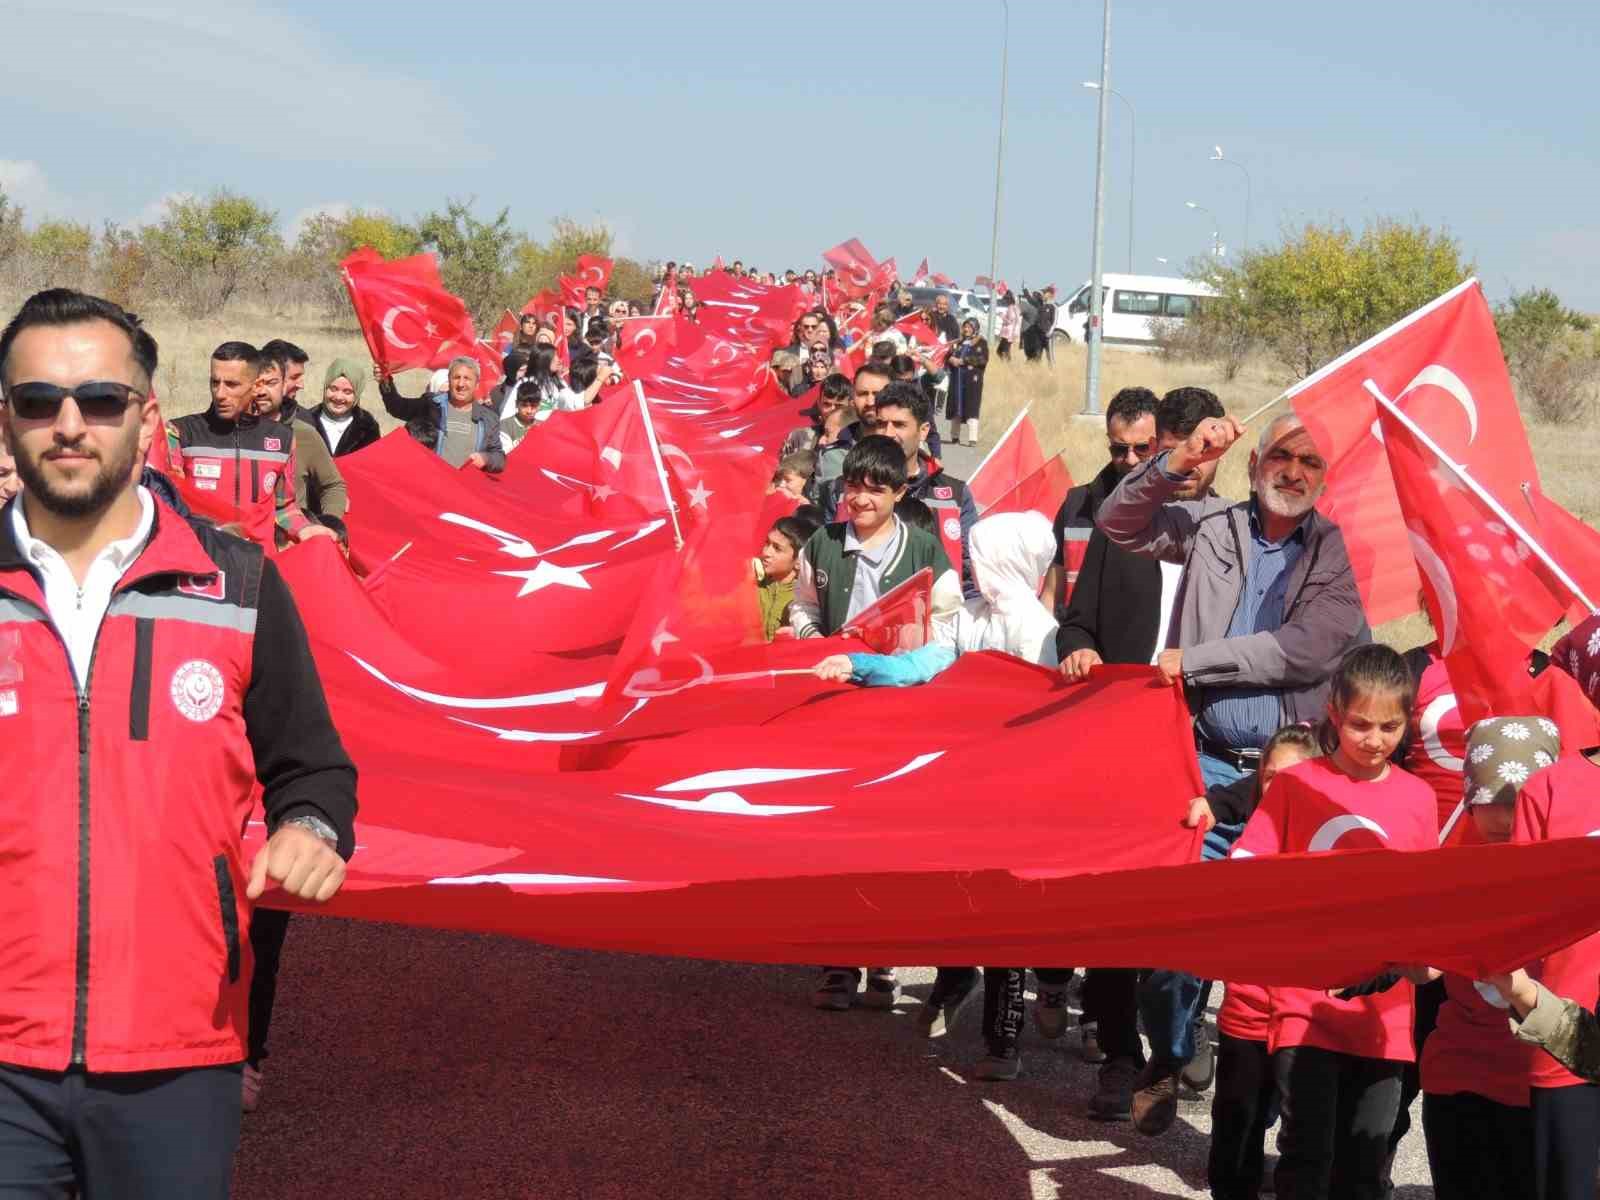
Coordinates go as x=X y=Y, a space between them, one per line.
x=122 y=893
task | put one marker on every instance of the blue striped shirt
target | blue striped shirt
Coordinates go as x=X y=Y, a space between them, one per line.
x=1243 y=718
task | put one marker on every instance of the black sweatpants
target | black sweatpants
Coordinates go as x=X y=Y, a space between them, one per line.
x=1566 y=1141
x=1479 y=1149
x=268 y=928
x=1002 y=1001
x=1338 y=1114
x=1243 y=1108
x=1430 y=999
x=1111 y=999
x=147 y=1135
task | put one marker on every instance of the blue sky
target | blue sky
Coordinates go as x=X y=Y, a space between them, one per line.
x=771 y=132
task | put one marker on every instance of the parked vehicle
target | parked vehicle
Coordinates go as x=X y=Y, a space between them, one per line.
x=963 y=302
x=1130 y=304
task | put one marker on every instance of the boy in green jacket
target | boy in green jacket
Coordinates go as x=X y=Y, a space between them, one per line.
x=844 y=568
x=848 y=565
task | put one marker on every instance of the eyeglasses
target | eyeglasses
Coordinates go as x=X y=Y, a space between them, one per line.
x=1137 y=449
x=97 y=400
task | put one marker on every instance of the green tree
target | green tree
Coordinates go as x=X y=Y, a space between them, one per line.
x=10 y=227
x=61 y=250
x=1554 y=365
x=1324 y=290
x=207 y=248
x=476 y=257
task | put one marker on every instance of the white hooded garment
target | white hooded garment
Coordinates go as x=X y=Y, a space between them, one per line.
x=1010 y=554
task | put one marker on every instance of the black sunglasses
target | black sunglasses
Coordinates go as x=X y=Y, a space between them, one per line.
x=97 y=400
x=1140 y=449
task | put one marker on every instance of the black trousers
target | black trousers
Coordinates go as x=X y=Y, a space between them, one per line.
x=1338 y=1114
x=268 y=928
x=1002 y=1001
x=1479 y=1149
x=1566 y=1141
x=1111 y=999
x=148 y=1135
x=1424 y=1019
x=1243 y=1108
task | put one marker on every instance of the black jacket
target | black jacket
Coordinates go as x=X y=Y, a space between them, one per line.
x=1115 y=606
x=363 y=430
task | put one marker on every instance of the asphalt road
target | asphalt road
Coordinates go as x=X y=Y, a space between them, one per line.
x=410 y=1064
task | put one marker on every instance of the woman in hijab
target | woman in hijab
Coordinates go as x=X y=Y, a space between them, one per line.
x=344 y=425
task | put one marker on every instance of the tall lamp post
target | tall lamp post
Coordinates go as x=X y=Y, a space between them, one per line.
x=1216 y=156
x=1216 y=245
x=999 y=158
x=1094 y=329
x=1133 y=142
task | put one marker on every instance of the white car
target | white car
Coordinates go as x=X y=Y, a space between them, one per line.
x=1129 y=304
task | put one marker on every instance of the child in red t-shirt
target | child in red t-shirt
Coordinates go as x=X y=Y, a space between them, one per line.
x=1245 y=1102
x=1475 y=1074
x=1338 y=1063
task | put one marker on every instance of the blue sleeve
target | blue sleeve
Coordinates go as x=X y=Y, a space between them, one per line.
x=901 y=670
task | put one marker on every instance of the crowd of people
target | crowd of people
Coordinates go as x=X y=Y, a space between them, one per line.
x=1248 y=604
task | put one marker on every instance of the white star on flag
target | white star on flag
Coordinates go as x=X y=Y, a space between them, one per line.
x=660 y=638
x=699 y=494
x=546 y=574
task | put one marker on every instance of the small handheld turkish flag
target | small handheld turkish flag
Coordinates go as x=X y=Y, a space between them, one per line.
x=898 y=619
x=404 y=310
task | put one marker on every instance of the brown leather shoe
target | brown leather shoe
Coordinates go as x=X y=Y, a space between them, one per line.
x=1155 y=1100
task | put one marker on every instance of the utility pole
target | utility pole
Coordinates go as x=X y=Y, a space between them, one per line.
x=999 y=158
x=1093 y=330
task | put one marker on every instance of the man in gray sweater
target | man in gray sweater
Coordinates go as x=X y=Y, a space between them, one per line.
x=1266 y=608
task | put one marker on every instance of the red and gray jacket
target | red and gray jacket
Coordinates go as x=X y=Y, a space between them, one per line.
x=236 y=471
x=122 y=894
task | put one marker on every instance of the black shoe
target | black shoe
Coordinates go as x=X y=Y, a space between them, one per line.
x=1114 y=1099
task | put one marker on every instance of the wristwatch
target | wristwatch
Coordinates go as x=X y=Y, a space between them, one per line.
x=317 y=826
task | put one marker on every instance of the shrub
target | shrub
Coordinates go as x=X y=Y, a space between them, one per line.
x=1323 y=291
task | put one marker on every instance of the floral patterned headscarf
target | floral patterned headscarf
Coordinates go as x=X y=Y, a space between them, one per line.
x=1503 y=753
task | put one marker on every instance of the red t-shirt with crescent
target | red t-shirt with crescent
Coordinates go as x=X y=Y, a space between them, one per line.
x=1314 y=807
x=1561 y=801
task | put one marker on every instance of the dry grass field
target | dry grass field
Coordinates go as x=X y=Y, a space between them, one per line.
x=1567 y=455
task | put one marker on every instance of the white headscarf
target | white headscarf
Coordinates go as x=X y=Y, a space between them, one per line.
x=1010 y=554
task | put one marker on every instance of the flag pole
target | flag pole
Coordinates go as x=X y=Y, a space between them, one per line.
x=1273 y=403
x=1483 y=494
x=661 y=468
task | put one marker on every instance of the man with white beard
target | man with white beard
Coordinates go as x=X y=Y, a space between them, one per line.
x=1267 y=606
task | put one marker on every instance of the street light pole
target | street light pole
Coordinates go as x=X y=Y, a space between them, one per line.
x=1217 y=157
x=1133 y=146
x=1094 y=329
x=999 y=158
x=1216 y=244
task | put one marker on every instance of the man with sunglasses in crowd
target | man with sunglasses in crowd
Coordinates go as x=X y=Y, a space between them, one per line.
x=153 y=671
x=1119 y=612
x=1131 y=437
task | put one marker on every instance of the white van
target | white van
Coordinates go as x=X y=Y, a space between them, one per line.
x=1130 y=302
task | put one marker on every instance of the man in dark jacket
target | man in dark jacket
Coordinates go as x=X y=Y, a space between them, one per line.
x=1118 y=613
x=452 y=424
x=171 y=654
x=1267 y=607
x=1131 y=438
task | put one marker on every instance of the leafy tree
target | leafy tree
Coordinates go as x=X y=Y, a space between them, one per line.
x=10 y=227
x=1555 y=367
x=62 y=251
x=121 y=263
x=207 y=248
x=1324 y=290
x=475 y=257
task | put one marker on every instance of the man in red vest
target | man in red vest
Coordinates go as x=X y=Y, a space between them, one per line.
x=152 y=671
